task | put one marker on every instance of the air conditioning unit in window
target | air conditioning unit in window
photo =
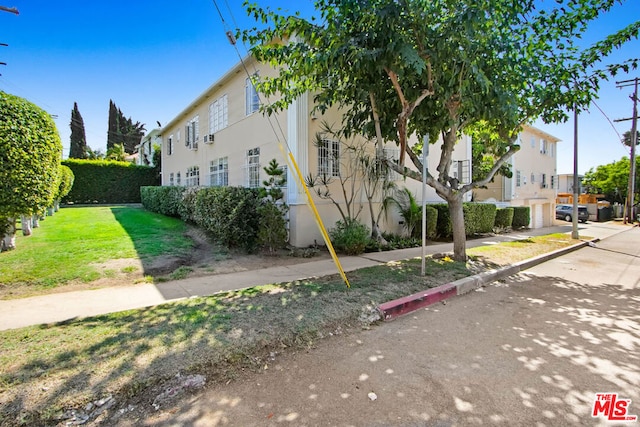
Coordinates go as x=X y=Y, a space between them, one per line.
x=208 y=139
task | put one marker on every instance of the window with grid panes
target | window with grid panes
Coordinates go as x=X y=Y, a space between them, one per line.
x=193 y=176
x=252 y=101
x=253 y=168
x=219 y=172
x=218 y=114
x=328 y=158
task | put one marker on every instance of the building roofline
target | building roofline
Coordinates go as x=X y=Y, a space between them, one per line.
x=207 y=92
x=546 y=135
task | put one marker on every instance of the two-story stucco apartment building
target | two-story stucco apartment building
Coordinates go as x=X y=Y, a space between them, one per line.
x=534 y=182
x=222 y=139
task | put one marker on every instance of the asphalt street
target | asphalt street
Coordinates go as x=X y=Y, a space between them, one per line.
x=532 y=350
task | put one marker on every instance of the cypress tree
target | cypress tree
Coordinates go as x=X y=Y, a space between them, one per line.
x=122 y=130
x=113 y=131
x=78 y=148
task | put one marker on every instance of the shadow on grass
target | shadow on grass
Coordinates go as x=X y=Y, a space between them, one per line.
x=52 y=369
x=160 y=241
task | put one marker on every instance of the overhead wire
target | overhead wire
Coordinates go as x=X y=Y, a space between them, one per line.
x=288 y=154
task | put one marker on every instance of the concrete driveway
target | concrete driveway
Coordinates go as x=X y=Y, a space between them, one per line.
x=532 y=351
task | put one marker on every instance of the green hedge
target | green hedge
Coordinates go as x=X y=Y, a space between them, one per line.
x=444 y=229
x=504 y=217
x=229 y=214
x=521 y=216
x=105 y=181
x=163 y=200
x=478 y=218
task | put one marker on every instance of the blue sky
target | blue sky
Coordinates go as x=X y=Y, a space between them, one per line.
x=154 y=57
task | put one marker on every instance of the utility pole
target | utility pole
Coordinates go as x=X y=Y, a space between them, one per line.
x=576 y=180
x=634 y=141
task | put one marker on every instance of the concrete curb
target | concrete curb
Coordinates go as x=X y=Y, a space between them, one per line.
x=398 y=307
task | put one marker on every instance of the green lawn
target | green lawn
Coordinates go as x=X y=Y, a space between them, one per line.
x=67 y=245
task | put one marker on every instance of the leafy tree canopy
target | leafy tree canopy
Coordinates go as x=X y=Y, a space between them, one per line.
x=438 y=69
x=612 y=180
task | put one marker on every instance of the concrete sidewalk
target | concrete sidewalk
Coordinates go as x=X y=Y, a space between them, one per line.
x=69 y=305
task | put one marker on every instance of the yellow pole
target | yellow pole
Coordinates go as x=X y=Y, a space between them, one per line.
x=316 y=215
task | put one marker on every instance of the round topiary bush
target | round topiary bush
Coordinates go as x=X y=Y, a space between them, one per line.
x=350 y=237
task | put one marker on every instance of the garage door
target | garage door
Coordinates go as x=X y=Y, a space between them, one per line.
x=538 y=220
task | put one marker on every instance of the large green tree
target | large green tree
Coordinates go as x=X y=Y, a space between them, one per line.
x=78 y=147
x=437 y=69
x=123 y=130
x=612 y=180
x=30 y=155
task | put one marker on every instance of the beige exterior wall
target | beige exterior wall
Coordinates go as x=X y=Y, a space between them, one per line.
x=534 y=182
x=299 y=128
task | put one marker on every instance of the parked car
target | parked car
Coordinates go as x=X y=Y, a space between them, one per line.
x=566 y=212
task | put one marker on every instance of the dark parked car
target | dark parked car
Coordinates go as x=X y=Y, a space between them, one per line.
x=566 y=212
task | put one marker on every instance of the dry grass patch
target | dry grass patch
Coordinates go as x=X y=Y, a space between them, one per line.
x=518 y=250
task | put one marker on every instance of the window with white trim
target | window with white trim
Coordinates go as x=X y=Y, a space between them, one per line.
x=218 y=114
x=533 y=142
x=170 y=145
x=543 y=146
x=192 y=133
x=252 y=100
x=219 y=172
x=253 y=167
x=328 y=158
x=553 y=181
x=193 y=176
x=552 y=149
x=543 y=184
x=178 y=179
x=171 y=179
x=533 y=177
x=518 y=178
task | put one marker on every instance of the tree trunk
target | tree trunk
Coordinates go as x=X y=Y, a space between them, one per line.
x=26 y=225
x=56 y=206
x=50 y=211
x=457 y=223
x=35 y=221
x=9 y=240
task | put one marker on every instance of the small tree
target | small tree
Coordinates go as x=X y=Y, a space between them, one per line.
x=116 y=153
x=30 y=155
x=272 y=232
x=342 y=166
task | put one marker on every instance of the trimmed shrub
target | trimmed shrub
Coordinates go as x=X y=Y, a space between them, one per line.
x=272 y=232
x=187 y=207
x=104 y=181
x=163 y=200
x=444 y=229
x=504 y=217
x=432 y=222
x=521 y=216
x=229 y=214
x=350 y=237
x=478 y=218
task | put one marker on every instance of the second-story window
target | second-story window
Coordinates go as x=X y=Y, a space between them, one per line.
x=170 y=145
x=518 y=178
x=192 y=133
x=218 y=114
x=252 y=101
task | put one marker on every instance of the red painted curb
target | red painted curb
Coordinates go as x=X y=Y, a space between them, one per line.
x=398 y=307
